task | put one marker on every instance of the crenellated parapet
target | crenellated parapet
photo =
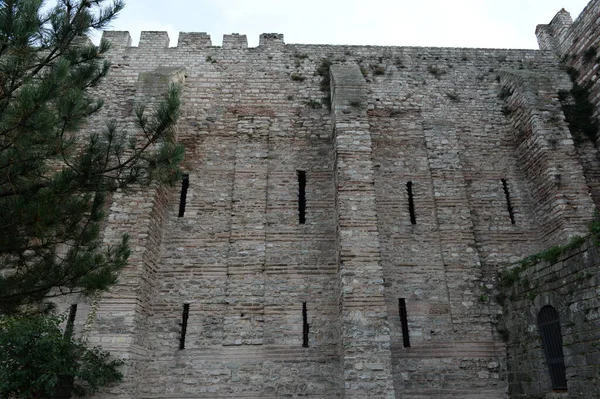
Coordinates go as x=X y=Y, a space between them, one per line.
x=158 y=40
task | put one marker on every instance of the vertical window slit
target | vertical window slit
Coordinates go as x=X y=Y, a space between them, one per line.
x=301 y=196
x=404 y=322
x=71 y=321
x=509 y=207
x=411 y=203
x=185 y=182
x=305 y=326
x=184 y=322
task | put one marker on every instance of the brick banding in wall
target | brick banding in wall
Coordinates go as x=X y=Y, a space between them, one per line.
x=243 y=254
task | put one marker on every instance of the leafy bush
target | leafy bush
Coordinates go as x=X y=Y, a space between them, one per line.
x=35 y=358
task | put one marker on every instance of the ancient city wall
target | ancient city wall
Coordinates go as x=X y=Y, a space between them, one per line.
x=566 y=282
x=433 y=168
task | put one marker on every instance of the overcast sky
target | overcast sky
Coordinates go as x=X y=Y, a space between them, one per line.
x=444 y=23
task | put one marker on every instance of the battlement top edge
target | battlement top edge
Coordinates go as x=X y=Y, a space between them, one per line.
x=202 y=40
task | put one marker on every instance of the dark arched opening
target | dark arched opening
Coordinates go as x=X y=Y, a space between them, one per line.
x=549 y=325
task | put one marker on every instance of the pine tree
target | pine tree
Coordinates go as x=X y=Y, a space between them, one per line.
x=55 y=177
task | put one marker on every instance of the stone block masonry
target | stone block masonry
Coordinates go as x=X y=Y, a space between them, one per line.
x=365 y=341
x=571 y=286
x=576 y=45
x=425 y=170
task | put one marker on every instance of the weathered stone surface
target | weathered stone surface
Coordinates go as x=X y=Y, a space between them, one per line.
x=572 y=287
x=468 y=128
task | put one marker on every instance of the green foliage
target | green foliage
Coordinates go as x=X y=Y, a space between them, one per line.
x=35 y=358
x=296 y=77
x=551 y=255
x=505 y=92
x=531 y=296
x=501 y=298
x=377 y=69
x=435 y=71
x=511 y=276
x=453 y=96
x=210 y=59
x=579 y=113
x=355 y=104
x=399 y=63
x=325 y=84
x=504 y=334
x=54 y=178
x=574 y=243
x=314 y=104
x=594 y=228
x=364 y=71
x=299 y=58
x=572 y=72
x=590 y=54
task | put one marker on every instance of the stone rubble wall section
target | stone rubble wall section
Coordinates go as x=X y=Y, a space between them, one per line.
x=365 y=341
x=250 y=120
x=122 y=315
x=572 y=287
x=547 y=154
x=570 y=40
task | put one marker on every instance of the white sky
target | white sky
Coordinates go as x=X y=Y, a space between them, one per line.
x=443 y=23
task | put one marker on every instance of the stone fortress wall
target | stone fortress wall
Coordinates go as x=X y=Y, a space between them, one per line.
x=571 y=283
x=474 y=139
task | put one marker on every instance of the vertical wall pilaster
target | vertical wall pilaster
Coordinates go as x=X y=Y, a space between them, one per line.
x=546 y=152
x=575 y=43
x=456 y=231
x=119 y=318
x=243 y=324
x=366 y=356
